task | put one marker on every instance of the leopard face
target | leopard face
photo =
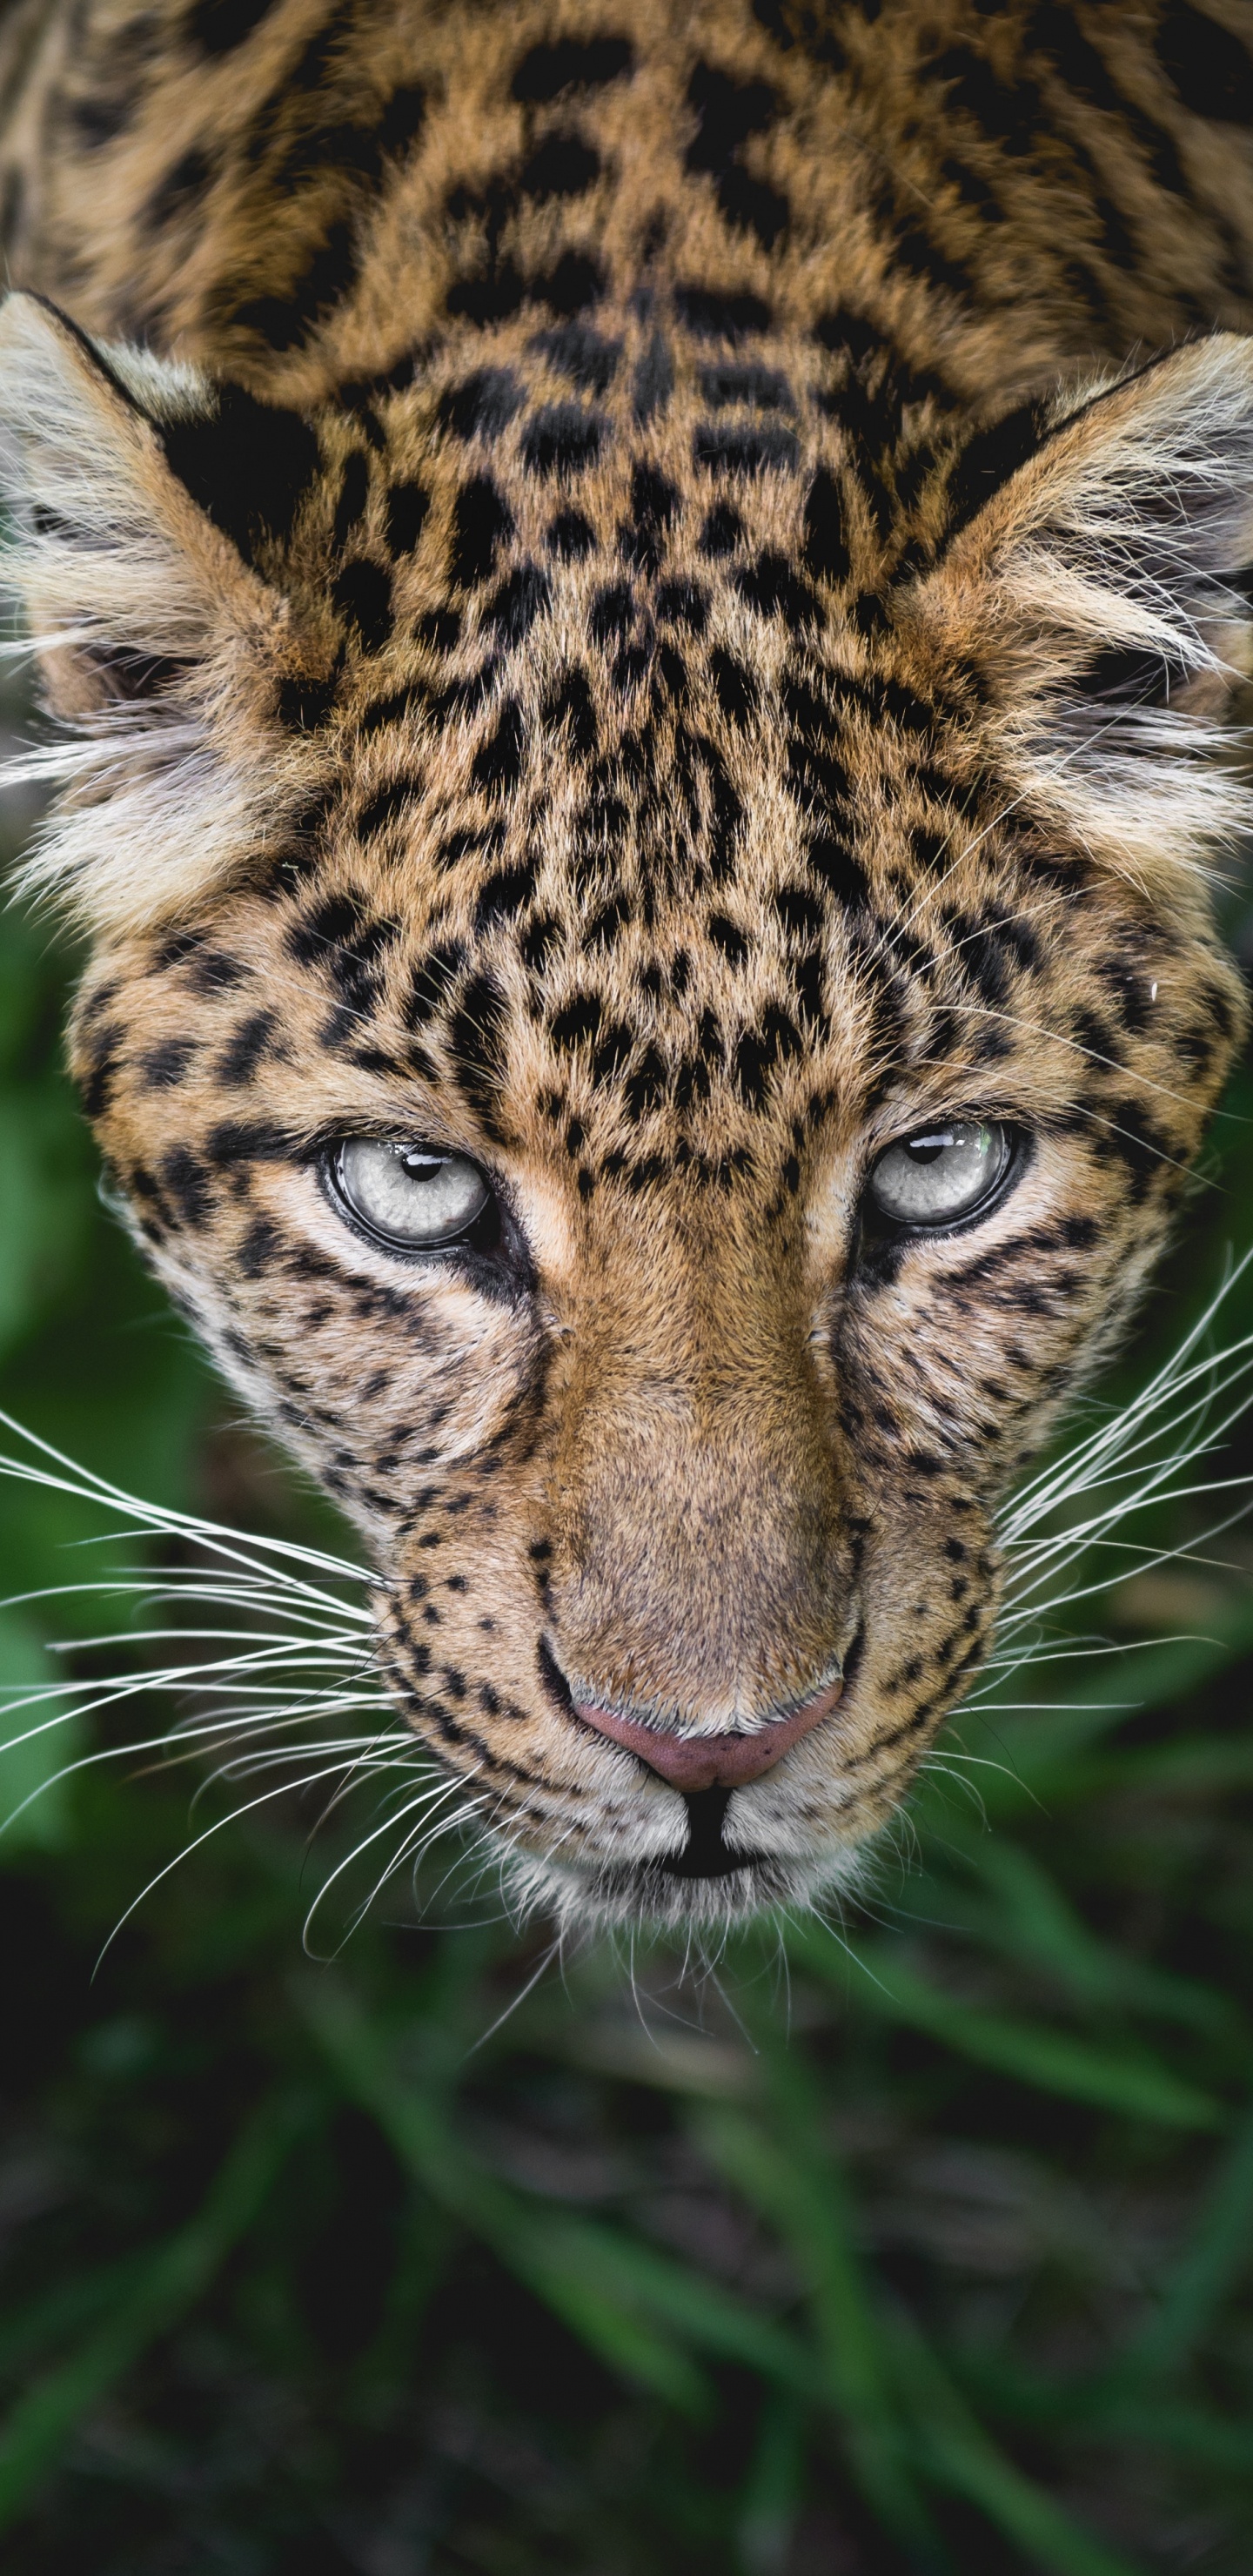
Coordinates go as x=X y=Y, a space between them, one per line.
x=642 y=687
x=799 y=1101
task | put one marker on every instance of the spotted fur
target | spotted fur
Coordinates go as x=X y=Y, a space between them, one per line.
x=628 y=595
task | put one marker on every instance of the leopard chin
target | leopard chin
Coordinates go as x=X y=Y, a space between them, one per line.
x=639 y=701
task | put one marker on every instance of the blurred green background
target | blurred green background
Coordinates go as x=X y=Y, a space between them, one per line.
x=923 y=2247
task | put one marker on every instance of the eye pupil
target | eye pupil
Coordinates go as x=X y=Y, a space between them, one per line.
x=407 y=1197
x=933 y=1179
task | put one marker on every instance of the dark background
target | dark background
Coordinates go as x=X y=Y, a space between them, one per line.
x=920 y=2243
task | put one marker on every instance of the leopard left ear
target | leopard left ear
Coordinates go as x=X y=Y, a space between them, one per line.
x=1100 y=597
x=137 y=494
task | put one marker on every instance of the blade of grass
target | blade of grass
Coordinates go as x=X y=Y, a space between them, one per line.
x=810 y=2214
x=1085 y=2409
x=771 y=2496
x=555 y=2258
x=1206 y=2274
x=1139 y=2087
x=1030 y=1919
x=177 y=2274
x=962 y=2456
x=30 y=2329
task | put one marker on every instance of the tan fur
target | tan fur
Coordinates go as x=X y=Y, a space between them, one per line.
x=605 y=629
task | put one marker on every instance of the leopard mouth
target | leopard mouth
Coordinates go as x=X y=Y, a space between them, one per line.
x=704 y=1854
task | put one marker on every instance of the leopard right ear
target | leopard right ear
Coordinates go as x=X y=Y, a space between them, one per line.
x=1096 y=586
x=139 y=494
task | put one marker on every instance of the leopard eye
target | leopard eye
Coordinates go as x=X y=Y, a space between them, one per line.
x=941 y=1174
x=409 y=1197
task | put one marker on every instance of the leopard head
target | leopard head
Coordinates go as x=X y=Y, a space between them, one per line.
x=652 y=991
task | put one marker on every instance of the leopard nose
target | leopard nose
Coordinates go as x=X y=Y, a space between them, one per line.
x=691 y=1762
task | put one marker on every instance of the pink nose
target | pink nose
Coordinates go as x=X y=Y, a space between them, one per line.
x=691 y=1762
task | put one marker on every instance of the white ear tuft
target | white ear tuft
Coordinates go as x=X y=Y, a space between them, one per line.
x=1102 y=594
x=158 y=644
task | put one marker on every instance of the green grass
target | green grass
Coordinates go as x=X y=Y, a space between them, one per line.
x=920 y=2242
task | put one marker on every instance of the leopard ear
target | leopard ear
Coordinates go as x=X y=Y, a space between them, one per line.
x=136 y=493
x=1100 y=596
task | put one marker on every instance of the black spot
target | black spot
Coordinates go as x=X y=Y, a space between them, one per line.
x=630 y=666
x=432 y=984
x=512 y=611
x=239 y=1060
x=725 y=936
x=653 y=381
x=218 y=26
x=771 y=587
x=654 y=507
x=562 y=439
x=498 y=766
x=102 y=1068
x=838 y=869
x=353 y=494
x=256 y=1252
x=723 y=531
x=763 y=387
x=384 y=807
x=172 y=952
x=305 y=703
x=468 y=845
x=184 y=183
x=580 y=353
x=537 y=940
x=570 y=537
x=613 y=1052
x=407 y=506
x=721 y=449
x=476 y=1043
x=284 y=321
x=712 y=316
x=441 y=629
x=1206 y=64
x=504 y=894
x=575 y=282
x=754 y=1056
x=563 y=166
x=254 y=1140
x=163 y=1067
x=483 y=405
x=683 y=603
x=99 y=118
x=578 y=1020
x=362 y=593
x=799 y=911
x=728 y=112
x=482 y=520
x=484 y=300
x=612 y=613
x=188 y=1184
x=571 y=704
x=735 y=687
x=248 y=465
x=548 y=69
x=826 y=553
x=214 y=970
x=646 y=1087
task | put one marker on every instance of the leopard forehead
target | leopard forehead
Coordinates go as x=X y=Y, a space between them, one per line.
x=625 y=547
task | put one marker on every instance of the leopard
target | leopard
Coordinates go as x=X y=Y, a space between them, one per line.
x=642 y=617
